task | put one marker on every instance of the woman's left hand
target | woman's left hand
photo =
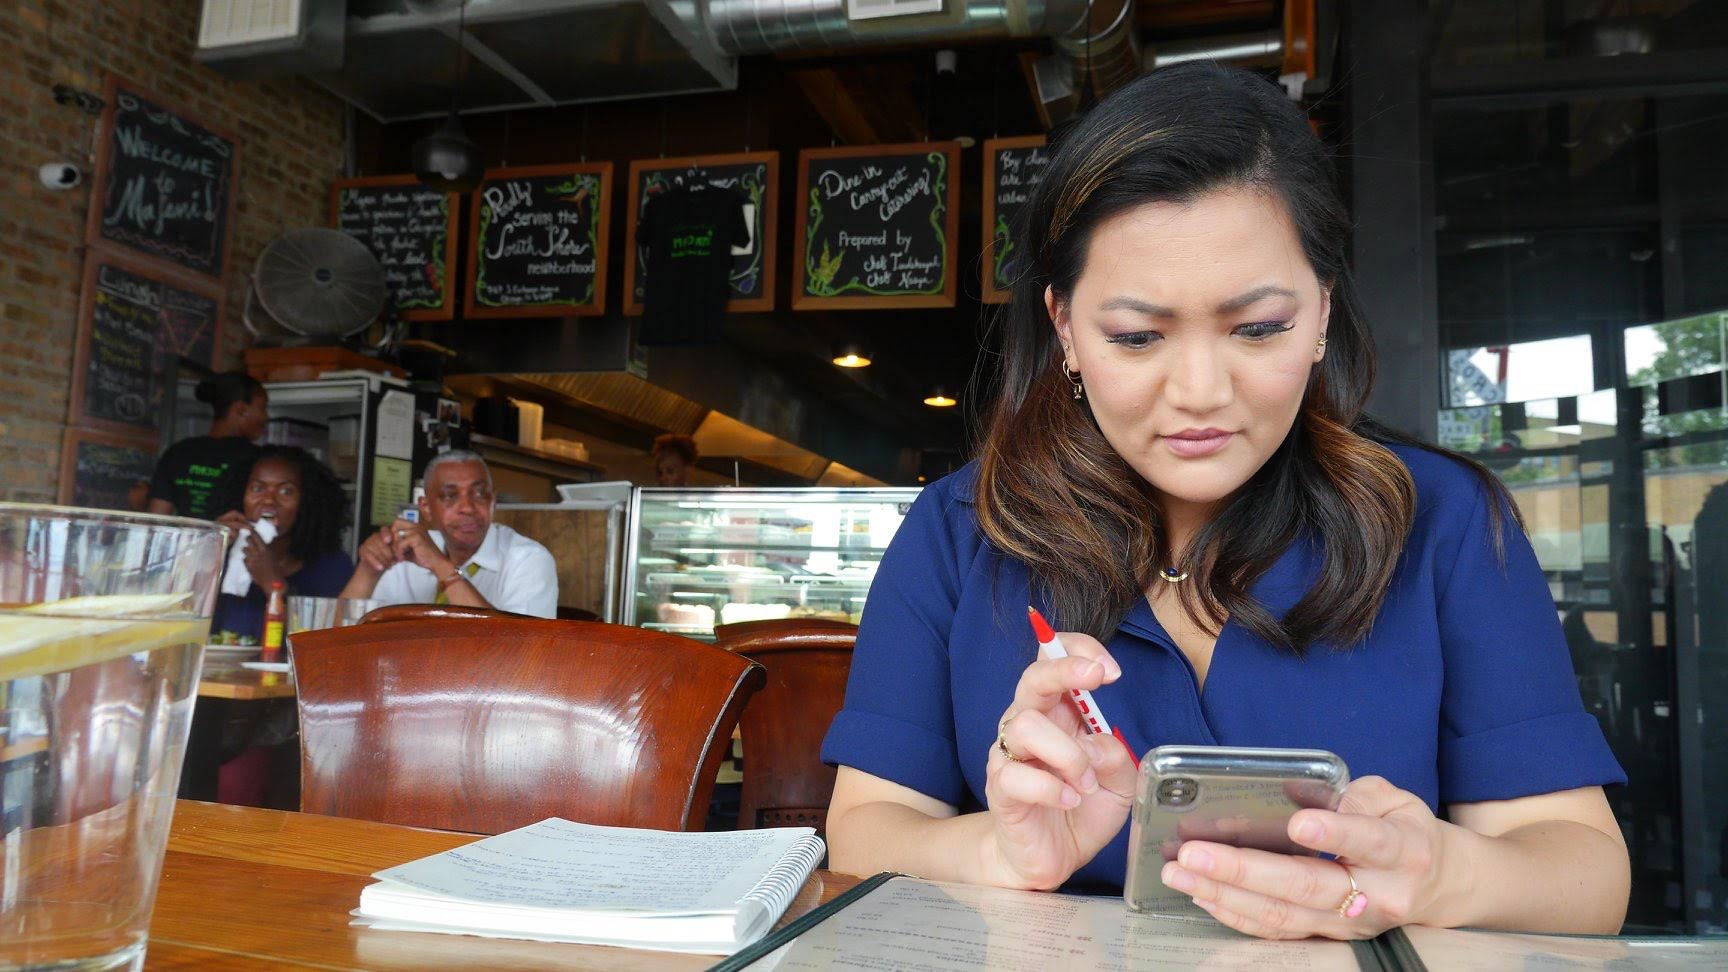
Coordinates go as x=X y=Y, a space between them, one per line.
x=1387 y=838
x=263 y=563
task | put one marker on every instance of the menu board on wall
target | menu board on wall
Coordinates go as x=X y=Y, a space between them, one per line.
x=133 y=323
x=411 y=229
x=538 y=244
x=1012 y=166
x=98 y=470
x=165 y=184
x=755 y=176
x=876 y=226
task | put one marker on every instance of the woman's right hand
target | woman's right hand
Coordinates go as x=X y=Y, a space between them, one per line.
x=235 y=521
x=1071 y=794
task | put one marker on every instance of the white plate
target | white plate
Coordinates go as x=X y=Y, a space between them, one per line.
x=266 y=666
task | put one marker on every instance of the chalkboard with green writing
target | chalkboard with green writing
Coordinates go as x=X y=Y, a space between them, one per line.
x=876 y=226
x=165 y=182
x=755 y=176
x=1012 y=167
x=98 y=471
x=411 y=229
x=538 y=243
x=133 y=325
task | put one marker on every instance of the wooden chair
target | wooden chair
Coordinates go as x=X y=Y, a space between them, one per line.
x=420 y=612
x=484 y=727
x=785 y=783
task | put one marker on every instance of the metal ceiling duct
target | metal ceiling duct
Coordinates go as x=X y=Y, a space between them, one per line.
x=743 y=27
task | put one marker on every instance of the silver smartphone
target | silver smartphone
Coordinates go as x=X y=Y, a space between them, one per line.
x=1242 y=797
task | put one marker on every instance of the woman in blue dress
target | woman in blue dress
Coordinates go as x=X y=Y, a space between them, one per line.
x=303 y=499
x=1177 y=470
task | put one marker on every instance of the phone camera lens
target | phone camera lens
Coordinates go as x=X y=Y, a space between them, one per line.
x=1179 y=792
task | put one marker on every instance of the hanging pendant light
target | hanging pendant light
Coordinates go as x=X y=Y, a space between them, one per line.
x=448 y=159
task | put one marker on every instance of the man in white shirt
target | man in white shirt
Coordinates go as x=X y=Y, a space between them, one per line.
x=456 y=554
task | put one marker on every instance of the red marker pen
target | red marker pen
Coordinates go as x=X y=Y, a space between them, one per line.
x=1050 y=646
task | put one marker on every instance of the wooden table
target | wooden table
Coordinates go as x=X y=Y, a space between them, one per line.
x=244 y=888
x=224 y=678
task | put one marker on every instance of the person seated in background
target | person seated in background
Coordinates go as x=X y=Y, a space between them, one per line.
x=674 y=457
x=286 y=510
x=456 y=554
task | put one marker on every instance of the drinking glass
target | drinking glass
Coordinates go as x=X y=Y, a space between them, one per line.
x=103 y=618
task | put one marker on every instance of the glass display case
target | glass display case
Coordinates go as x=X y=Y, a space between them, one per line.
x=701 y=557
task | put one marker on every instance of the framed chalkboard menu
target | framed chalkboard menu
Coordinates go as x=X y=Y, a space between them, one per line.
x=1012 y=166
x=133 y=322
x=411 y=229
x=98 y=470
x=537 y=247
x=165 y=183
x=755 y=176
x=876 y=226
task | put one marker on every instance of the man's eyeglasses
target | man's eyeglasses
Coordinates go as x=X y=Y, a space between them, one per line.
x=480 y=495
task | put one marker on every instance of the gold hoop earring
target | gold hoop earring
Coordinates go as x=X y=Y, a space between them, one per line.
x=1074 y=379
x=1322 y=345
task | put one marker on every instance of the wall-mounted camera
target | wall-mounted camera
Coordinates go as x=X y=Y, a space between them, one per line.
x=60 y=175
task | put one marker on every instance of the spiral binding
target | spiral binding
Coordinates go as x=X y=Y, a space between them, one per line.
x=774 y=892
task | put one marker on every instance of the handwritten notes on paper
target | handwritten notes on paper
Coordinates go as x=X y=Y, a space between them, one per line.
x=411 y=229
x=1012 y=167
x=538 y=246
x=166 y=183
x=876 y=226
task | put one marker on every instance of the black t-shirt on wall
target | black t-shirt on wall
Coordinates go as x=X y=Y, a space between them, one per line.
x=689 y=233
x=189 y=471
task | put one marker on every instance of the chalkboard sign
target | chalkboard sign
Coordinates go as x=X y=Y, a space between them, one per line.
x=538 y=244
x=754 y=176
x=411 y=229
x=876 y=226
x=132 y=324
x=98 y=470
x=164 y=182
x=1012 y=166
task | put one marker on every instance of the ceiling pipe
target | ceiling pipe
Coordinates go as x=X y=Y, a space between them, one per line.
x=744 y=27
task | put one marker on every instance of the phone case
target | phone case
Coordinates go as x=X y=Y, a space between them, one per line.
x=1242 y=797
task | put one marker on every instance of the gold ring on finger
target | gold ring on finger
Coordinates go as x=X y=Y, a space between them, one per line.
x=1355 y=902
x=1002 y=742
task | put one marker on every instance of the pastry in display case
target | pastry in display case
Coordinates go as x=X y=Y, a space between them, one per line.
x=704 y=557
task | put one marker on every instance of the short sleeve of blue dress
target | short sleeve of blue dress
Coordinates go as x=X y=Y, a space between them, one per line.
x=1511 y=721
x=898 y=719
x=1462 y=692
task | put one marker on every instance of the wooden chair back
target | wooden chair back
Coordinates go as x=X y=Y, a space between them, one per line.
x=807 y=661
x=421 y=612
x=485 y=726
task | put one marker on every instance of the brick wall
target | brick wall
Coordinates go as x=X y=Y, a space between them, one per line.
x=290 y=134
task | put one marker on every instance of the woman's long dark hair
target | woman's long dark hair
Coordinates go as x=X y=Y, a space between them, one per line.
x=1054 y=494
x=323 y=510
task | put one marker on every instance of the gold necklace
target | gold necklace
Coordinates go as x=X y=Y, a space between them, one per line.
x=1172 y=575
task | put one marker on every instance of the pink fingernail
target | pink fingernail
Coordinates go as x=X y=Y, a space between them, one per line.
x=1359 y=905
x=1309 y=830
x=1070 y=799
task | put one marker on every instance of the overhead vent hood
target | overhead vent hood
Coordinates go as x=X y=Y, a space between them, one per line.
x=399 y=61
x=396 y=61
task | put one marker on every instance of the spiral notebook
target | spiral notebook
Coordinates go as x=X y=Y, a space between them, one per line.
x=559 y=881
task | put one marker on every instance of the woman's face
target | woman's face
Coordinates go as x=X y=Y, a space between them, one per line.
x=671 y=470
x=273 y=493
x=1194 y=327
x=256 y=417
